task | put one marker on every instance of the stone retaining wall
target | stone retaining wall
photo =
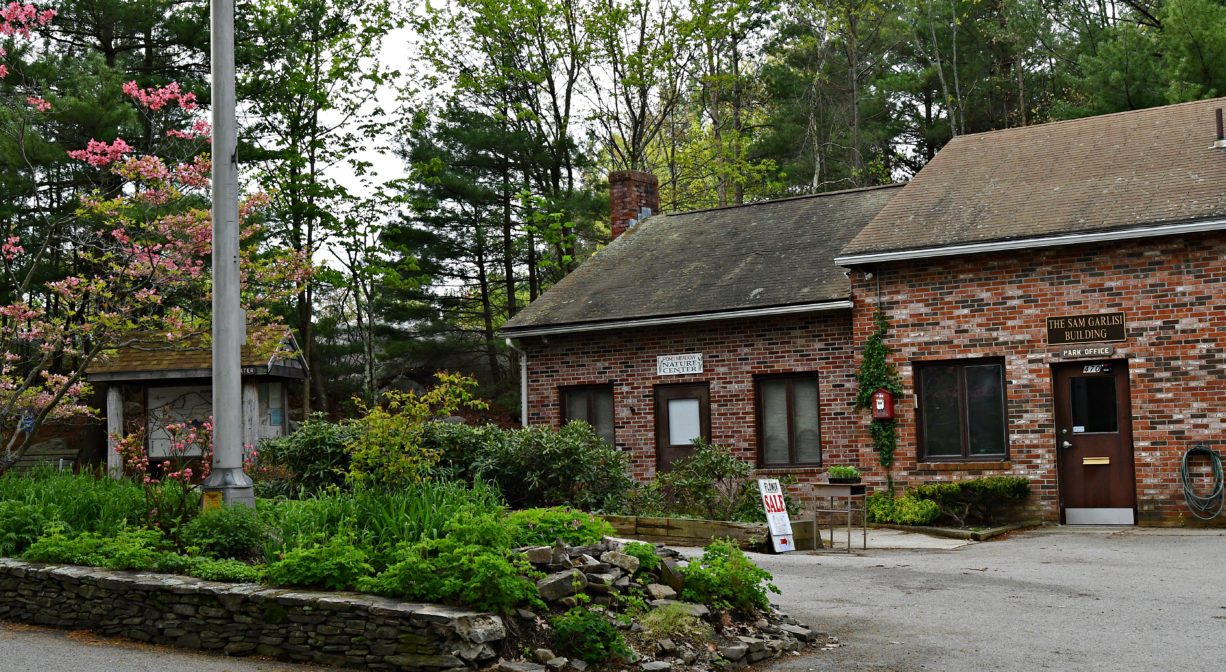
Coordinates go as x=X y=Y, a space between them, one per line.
x=243 y=619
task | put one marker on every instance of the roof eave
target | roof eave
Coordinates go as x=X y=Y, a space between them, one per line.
x=525 y=332
x=1033 y=243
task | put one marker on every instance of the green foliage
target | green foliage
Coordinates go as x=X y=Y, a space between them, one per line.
x=876 y=372
x=674 y=620
x=646 y=553
x=843 y=471
x=315 y=455
x=587 y=635
x=536 y=466
x=379 y=520
x=334 y=565
x=536 y=527
x=711 y=483
x=386 y=449
x=80 y=502
x=977 y=501
x=472 y=565
x=725 y=578
x=233 y=571
x=20 y=524
x=129 y=549
x=905 y=510
x=228 y=532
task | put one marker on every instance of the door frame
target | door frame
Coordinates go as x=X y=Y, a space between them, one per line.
x=662 y=394
x=1062 y=421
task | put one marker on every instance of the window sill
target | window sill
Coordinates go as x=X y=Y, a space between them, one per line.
x=789 y=469
x=965 y=466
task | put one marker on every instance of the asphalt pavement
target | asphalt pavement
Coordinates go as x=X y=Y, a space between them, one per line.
x=1113 y=599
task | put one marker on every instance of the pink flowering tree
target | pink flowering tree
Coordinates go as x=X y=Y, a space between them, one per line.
x=140 y=244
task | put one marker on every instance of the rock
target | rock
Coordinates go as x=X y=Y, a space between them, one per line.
x=561 y=584
x=600 y=583
x=622 y=583
x=543 y=655
x=656 y=666
x=540 y=555
x=800 y=632
x=666 y=646
x=577 y=664
x=755 y=645
x=560 y=553
x=518 y=666
x=670 y=573
x=556 y=663
x=628 y=563
x=733 y=651
x=695 y=610
x=659 y=591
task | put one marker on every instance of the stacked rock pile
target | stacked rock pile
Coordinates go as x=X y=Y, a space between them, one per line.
x=602 y=574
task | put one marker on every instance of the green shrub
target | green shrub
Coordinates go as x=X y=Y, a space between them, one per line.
x=472 y=565
x=536 y=466
x=588 y=636
x=536 y=527
x=226 y=532
x=334 y=565
x=378 y=520
x=315 y=455
x=726 y=579
x=80 y=501
x=130 y=549
x=843 y=471
x=904 y=510
x=232 y=571
x=977 y=501
x=21 y=523
x=387 y=449
x=646 y=553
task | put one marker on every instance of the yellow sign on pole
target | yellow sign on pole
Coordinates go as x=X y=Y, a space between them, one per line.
x=211 y=500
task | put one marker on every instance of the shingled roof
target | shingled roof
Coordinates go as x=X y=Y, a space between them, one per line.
x=711 y=264
x=1148 y=168
x=151 y=356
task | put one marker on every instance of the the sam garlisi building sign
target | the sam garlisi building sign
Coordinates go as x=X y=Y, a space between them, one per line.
x=1085 y=328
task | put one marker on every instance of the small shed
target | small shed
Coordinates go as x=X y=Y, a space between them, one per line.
x=152 y=382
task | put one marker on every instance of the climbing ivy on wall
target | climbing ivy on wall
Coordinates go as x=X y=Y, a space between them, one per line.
x=877 y=372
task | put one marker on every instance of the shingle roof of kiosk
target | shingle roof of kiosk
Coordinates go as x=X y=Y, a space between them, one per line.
x=772 y=254
x=1147 y=168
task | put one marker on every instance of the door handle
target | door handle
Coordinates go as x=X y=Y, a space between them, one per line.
x=1066 y=445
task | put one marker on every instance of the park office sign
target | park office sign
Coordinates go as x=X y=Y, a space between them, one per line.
x=1073 y=329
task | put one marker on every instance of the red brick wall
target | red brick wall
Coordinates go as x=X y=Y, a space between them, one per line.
x=734 y=351
x=1173 y=292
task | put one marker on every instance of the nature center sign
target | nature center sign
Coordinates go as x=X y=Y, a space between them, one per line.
x=1086 y=329
x=679 y=365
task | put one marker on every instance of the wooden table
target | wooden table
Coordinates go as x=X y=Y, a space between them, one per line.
x=848 y=493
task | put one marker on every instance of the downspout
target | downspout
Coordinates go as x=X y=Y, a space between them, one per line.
x=523 y=383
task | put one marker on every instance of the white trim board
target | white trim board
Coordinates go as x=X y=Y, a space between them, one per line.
x=1030 y=243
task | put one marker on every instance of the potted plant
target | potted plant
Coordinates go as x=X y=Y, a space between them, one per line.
x=843 y=473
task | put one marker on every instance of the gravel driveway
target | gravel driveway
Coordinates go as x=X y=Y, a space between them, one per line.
x=1047 y=599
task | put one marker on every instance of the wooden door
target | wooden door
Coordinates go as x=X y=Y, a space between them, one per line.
x=1094 y=443
x=683 y=413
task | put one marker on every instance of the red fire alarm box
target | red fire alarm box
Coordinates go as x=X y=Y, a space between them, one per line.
x=883 y=405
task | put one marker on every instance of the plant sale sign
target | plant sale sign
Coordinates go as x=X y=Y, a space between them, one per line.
x=776 y=515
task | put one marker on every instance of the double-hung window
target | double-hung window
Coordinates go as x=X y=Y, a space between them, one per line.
x=788 y=427
x=592 y=404
x=961 y=413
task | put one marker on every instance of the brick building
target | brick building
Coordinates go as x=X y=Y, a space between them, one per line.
x=1055 y=295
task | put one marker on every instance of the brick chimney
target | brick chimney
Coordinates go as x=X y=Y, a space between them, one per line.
x=633 y=197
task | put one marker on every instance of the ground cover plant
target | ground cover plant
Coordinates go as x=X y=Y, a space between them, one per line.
x=991 y=500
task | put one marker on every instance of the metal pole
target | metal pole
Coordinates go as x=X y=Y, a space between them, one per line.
x=226 y=483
